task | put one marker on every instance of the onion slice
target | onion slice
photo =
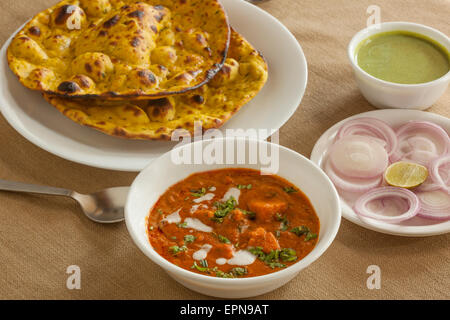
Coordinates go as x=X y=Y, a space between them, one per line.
x=351 y=184
x=388 y=206
x=430 y=185
x=420 y=156
x=434 y=205
x=372 y=127
x=361 y=205
x=410 y=133
x=435 y=171
x=418 y=143
x=359 y=157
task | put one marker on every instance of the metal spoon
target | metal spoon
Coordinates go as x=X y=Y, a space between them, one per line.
x=106 y=206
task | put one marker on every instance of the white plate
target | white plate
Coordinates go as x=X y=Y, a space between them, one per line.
x=415 y=227
x=44 y=126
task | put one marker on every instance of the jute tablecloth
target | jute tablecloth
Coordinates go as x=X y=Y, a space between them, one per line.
x=41 y=236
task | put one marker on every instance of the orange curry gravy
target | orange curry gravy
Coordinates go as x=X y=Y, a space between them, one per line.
x=233 y=223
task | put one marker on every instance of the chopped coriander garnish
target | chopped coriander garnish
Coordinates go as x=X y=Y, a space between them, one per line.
x=273 y=255
x=243 y=186
x=182 y=225
x=289 y=189
x=277 y=233
x=238 y=271
x=201 y=269
x=304 y=230
x=160 y=211
x=272 y=259
x=204 y=263
x=223 y=209
x=310 y=236
x=222 y=274
x=283 y=220
x=176 y=249
x=250 y=214
x=300 y=230
x=189 y=238
x=223 y=239
x=258 y=252
x=219 y=273
x=288 y=255
x=198 y=193
x=274 y=265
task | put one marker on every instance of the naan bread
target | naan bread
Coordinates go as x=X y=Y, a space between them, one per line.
x=240 y=79
x=116 y=49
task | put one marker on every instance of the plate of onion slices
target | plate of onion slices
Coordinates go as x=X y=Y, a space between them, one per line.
x=358 y=155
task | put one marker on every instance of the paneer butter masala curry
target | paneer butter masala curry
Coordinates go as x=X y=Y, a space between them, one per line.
x=233 y=223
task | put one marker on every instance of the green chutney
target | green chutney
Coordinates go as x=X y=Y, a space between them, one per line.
x=403 y=57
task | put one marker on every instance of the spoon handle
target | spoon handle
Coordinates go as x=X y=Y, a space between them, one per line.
x=32 y=188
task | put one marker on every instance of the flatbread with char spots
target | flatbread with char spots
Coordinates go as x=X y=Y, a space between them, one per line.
x=117 y=49
x=239 y=80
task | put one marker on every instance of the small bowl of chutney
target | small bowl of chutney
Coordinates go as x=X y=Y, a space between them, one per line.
x=401 y=65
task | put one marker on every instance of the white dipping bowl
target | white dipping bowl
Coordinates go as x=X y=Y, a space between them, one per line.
x=162 y=173
x=384 y=94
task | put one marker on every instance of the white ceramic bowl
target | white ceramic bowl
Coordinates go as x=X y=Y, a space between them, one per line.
x=384 y=94
x=162 y=173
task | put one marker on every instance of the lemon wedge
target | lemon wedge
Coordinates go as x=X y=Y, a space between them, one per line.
x=405 y=174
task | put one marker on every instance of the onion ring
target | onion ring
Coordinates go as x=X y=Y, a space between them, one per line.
x=418 y=143
x=359 y=157
x=386 y=206
x=372 y=127
x=361 y=209
x=433 y=130
x=420 y=156
x=434 y=205
x=351 y=184
x=435 y=175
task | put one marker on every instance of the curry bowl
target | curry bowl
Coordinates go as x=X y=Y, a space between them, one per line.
x=267 y=157
x=386 y=94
